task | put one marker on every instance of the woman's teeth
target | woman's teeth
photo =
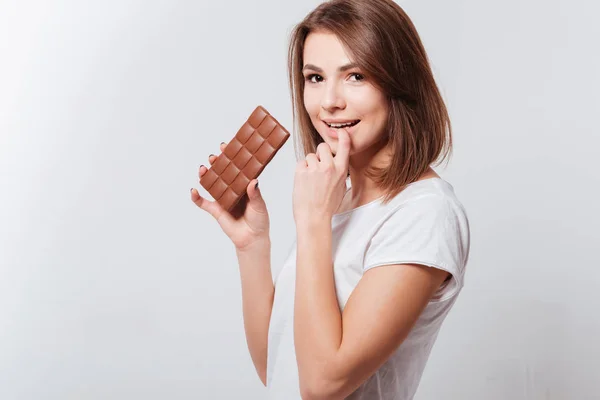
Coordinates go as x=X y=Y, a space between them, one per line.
x=346 y=125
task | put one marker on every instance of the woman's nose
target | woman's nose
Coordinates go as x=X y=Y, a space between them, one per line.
x=332 y=97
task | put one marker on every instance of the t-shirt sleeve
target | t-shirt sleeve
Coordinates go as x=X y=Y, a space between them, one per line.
x=430 y=231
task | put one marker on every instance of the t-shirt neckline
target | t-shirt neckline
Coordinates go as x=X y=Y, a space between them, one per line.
x=377 y=200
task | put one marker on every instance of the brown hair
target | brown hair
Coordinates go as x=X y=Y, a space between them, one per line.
x=383 y=41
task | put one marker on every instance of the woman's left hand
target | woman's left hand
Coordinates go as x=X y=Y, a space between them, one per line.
x=319 y=181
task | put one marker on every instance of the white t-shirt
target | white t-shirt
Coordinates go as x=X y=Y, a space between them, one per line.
x=424 y=224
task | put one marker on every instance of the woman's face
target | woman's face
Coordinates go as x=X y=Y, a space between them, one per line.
x=337 y=96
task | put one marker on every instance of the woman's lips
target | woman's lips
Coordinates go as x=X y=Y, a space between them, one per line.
x=342 y=124
x=333 y=132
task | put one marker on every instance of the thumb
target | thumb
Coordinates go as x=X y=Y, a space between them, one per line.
x=254 y=195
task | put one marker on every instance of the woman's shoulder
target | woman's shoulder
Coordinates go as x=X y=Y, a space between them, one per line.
x=428 y=196
x=427 y=190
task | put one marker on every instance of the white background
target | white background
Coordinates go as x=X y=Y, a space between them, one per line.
x=114 y=285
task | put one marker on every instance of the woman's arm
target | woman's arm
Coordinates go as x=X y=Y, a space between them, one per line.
x=257 y=298
x=337 y=352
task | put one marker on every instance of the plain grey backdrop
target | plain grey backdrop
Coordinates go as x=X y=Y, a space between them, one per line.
x=114 y=285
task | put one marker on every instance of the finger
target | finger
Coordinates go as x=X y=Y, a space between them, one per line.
x=301 y=164
x=343 y=150
x=212 y=207
x=256 y=200
x=312 y=161
x=212 y=158
x=201 y=171
x=324 y=153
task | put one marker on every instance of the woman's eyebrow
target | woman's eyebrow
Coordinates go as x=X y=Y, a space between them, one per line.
x=340 y=69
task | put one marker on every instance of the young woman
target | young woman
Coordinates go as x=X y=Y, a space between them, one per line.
x=381 y=239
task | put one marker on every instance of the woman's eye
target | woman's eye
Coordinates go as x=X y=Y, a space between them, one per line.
x=314 y=78
x=311 y=78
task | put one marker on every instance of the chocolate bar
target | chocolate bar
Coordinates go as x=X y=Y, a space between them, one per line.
x=244 y=158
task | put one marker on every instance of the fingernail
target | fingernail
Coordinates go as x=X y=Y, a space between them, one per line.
x=256 y=186
x=191 y=189
x=212 y=155
x=222 y=142
x=201 y=165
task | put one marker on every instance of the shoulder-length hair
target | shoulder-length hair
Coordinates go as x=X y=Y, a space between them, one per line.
x=383 y=41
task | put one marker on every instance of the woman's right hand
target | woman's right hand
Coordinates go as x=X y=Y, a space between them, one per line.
x=248 y=222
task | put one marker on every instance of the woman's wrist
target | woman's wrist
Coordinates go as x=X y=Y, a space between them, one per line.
x=258 y=244
x=312 y=223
